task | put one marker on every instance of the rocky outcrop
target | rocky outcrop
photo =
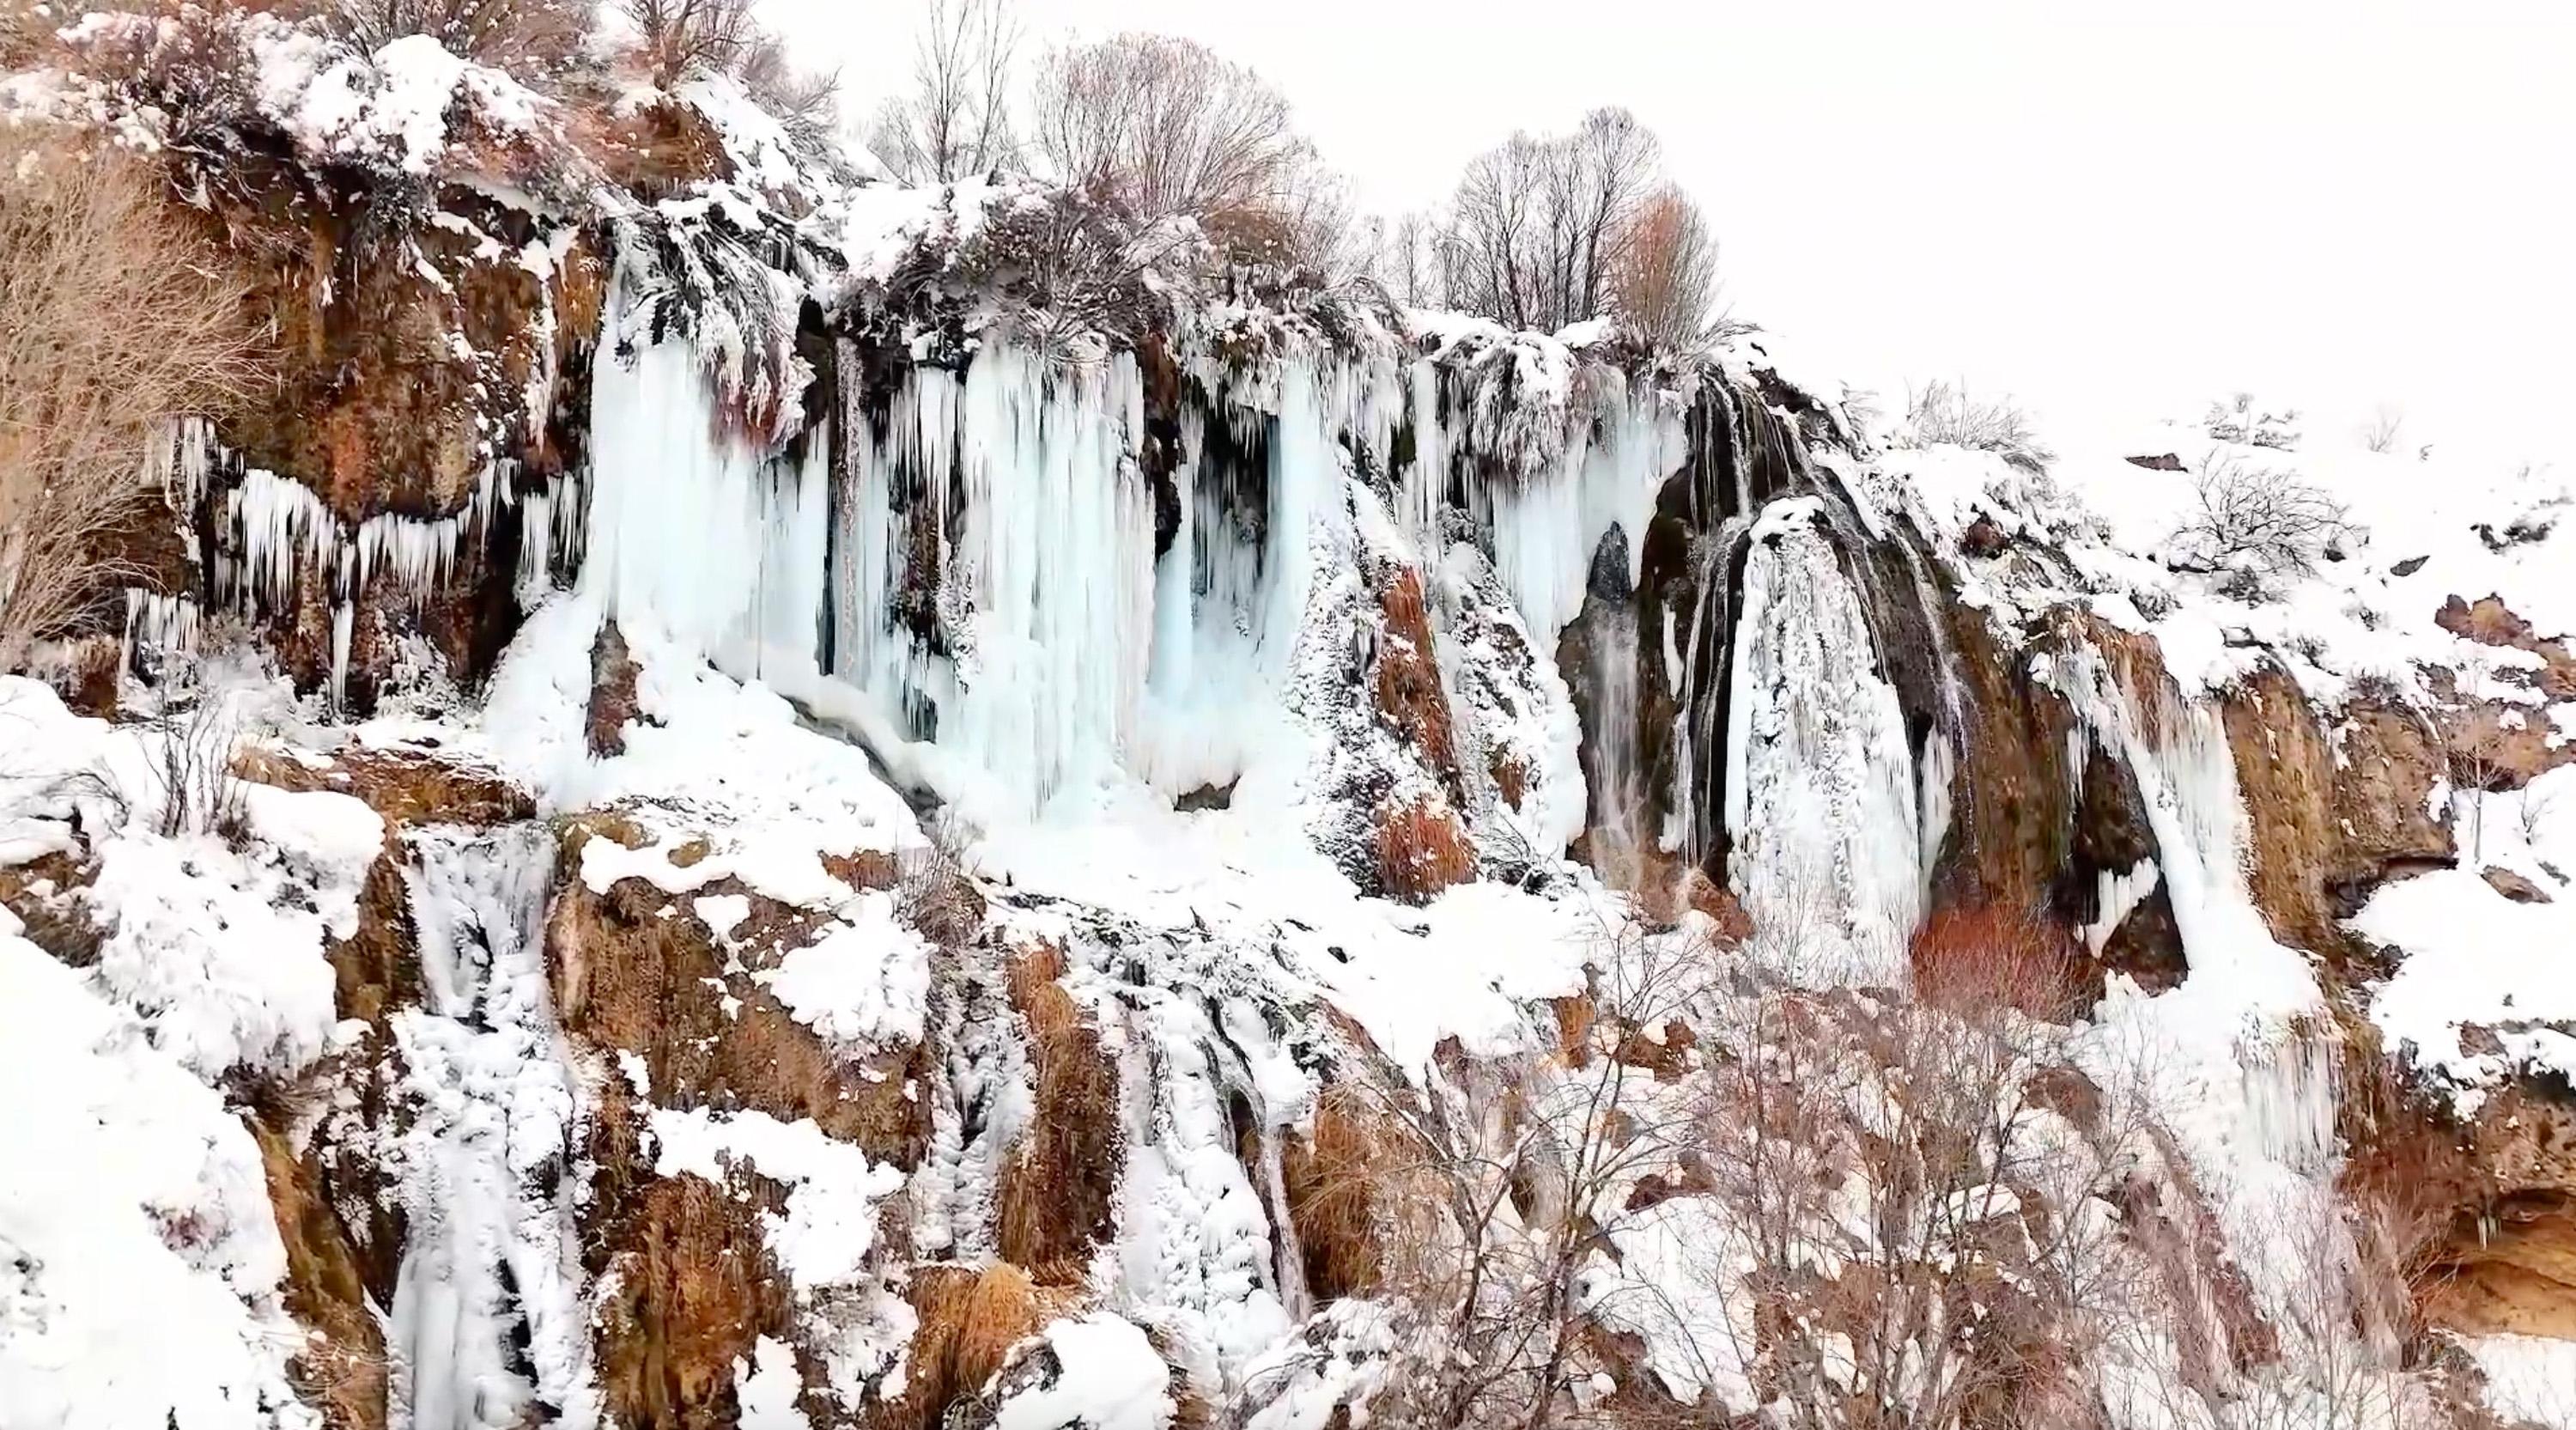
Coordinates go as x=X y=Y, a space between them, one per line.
x=2337 y=803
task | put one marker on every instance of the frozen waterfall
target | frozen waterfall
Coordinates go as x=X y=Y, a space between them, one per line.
x=488 y=1329
x=1820 y=781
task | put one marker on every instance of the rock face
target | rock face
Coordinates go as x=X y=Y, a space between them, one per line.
x=971 y=846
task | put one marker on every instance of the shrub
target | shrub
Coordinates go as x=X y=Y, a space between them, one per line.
x=528 y=38
x=933 y=892
x=1944 y=414
x=2256 y=523
x=1971 y=959
x=2238 y=419
x=192 y=762
x=86 y=235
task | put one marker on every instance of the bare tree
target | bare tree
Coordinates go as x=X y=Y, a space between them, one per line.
x=1945 y=413
x=1528 y=1174
x=1169 y=128
x=1666 y=281
x=2256 y=522
x=1919 y=1197
x=115 y=318
x=1169 y=125
x=956 y=123
x=1403 y=256
x=678 y=36
x=1539 y=226
x=806 y=102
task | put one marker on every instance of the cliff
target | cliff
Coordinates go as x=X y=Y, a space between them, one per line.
x=762 y=799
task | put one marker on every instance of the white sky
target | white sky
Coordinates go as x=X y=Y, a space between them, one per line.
x=2118 y=217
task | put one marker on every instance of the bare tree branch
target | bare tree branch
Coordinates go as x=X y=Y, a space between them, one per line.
x=115 y=318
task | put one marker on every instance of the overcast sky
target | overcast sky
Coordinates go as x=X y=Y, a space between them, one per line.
x=2338 y=204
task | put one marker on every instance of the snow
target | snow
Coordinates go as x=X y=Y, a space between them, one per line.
x=766 y=1387
x=864 y=983
x=823 y=1237
x=762 y=153
x=1338 y=1358
x=213 y=939
x=139 y=1257
x=223 y=970
x=1107 y=1378
x=2529 y=1377
x=2470 y=951
x=879 y=227
x=726 y=758
x=389 y=108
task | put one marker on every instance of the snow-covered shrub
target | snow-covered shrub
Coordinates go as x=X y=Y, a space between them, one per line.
x=2256 y=524
x=2237 y=419
x=1065 y=266
x=1944 y=414
x=529 y=38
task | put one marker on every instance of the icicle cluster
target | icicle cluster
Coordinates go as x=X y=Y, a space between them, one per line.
x=1007 y=511
x=273 y=533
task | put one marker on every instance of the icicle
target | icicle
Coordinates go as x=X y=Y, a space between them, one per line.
x=280 y=522
x=2116 y=895
x=180 y=463
x=675 y=531
x=162 y=625
x=1056 y=561
x=551 y=526
x=1546 y=529
x=2290 y=1095
x=1425 y=481
x=343 y=621
x=795 y=520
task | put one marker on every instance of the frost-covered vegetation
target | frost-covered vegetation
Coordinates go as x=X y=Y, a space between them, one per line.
x=751 y=793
